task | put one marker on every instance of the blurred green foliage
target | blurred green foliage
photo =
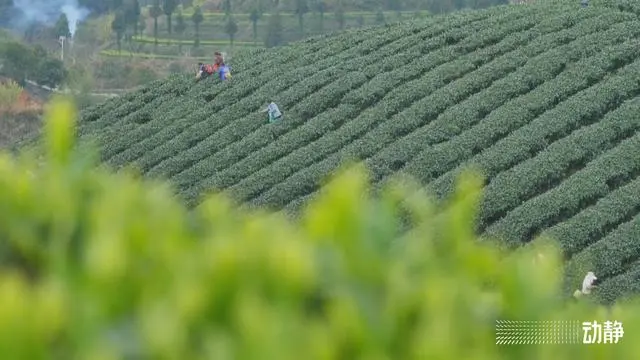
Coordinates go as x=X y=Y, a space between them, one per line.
x=98 y=265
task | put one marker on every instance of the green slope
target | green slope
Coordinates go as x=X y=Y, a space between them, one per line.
x=544 y=99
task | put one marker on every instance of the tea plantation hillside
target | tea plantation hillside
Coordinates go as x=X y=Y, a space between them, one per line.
x=543 y=98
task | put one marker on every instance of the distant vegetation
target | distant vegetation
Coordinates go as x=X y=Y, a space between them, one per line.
x=19 y=113
x=21 y=62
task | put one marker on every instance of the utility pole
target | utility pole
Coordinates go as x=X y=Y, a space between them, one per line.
x=61 y=40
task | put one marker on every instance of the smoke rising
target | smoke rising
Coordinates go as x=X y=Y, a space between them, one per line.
x=46 y=12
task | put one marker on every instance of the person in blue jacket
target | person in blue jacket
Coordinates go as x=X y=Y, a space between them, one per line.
x=225 y=72
x=218 y=67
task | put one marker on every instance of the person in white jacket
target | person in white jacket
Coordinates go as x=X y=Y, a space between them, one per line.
x=274 y=112
x=587 y=285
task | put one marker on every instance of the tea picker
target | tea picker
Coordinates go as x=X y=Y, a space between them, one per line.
x=587 y=285
x=206 y=70
x=218 y=66
x=274 y=112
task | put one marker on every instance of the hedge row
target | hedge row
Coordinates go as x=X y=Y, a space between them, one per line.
x=466 y=114
x=392 y=104
x=244 y=115
x=587 y=185
x=623 y=286
x=504 y=153
x=592 y=223
x=613 y=255
x=540 y=105
x=299 y=82
x=543 y=43
x=151 y=40
x=567 y=154
x=201 y=96
x=253 y=65
x=398 y=70
x=346 y=39
x=347 y=14
x=410 y=119
x=435 y=161
x=126 y=54
x=587 y=26
x=403 y=83
x=286 y=56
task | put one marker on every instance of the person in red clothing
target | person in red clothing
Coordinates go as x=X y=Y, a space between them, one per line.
x=218 y=66
x=204 y=70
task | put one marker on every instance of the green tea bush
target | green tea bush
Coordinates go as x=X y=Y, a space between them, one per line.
x=99 y=265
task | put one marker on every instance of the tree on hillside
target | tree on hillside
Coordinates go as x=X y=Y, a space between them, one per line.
x=380 y=20
x=62 y=26
x=155 y=12
x=17 y=60
x=254 y=16
x=339 y=12
x=322 y=8
x=169 y=6
x=226 y=7
x=39 y=52
x=51 y=72
x=118 y=25
x=21 y=62
x=301 y=8
x=132 y=15
x=197 y=19
x=274 y=30
x=5 y=11
x=181 y=26
x=231 y=28
x=142 y=24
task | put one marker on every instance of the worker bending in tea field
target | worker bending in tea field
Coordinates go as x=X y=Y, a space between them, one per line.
x=274 y=112
x=587 y=285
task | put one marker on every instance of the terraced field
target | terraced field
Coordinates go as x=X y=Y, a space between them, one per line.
x=543 y=98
